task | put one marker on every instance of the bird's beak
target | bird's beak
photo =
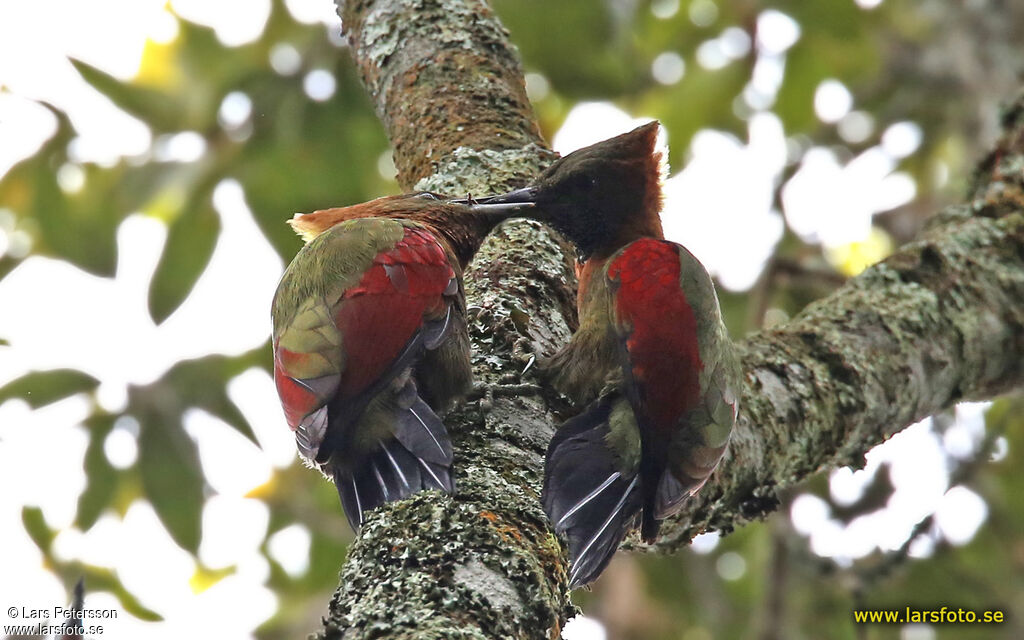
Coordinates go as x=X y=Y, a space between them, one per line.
x=526 y=195
x=520 y=200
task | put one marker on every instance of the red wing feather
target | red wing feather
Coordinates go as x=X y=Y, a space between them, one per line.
x=297 y=400
x=659 y=329
x=382 y=313
x=377 y=318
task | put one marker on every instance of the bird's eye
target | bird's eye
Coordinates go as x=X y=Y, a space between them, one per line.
x=584 y=183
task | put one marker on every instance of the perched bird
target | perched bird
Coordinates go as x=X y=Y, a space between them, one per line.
x=370 y=341
x=651 y=360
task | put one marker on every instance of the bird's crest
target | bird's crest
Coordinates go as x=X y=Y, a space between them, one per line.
x=650 y=140
x=305 y=226
x=310 y=225
x=661 y=153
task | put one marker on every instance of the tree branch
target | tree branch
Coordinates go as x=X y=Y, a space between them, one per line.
x=940 y=321
x=443 y=75
x=482 y=563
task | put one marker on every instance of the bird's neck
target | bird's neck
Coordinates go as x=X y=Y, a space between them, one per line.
x=588 y=274
x=633 y=227
x=463 y=230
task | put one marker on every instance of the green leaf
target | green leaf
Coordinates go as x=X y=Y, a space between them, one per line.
x=203 y=383
x=101 y=476
x=162 y=111
x=190 y=244
x=35 y=526
x=96 y=578
x=31 y=190
x=168 y=463
x=93 y=244
x=287 y=168
x=40 y=388
x=172 y=478
x=99 y=579
x=594 y=57
x=126 y=187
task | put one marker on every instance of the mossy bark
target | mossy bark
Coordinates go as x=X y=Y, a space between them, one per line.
x=443 y=75
x=942 y=320
x=482 y=563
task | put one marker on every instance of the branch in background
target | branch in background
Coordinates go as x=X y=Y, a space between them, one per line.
x=810 y=273
x=773 y=623
x=940 y=321
x=77 y=604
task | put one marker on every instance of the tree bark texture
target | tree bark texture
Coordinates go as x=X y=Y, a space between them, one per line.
x=941 y=320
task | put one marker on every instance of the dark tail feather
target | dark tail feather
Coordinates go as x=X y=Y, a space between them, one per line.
x=671 y=495
x=390 y=473
x=436 y=476
x=587 y=497
x=418 y=457
x=651 y=472
x=356 y=495
x=419 y=429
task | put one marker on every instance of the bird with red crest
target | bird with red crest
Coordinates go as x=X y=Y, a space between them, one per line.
x=651 y=362
x=370 y=341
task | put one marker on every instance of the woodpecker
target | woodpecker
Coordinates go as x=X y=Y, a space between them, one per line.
x=651 y=361
x=371 y=344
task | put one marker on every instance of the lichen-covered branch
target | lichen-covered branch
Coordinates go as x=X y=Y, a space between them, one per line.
x=940 y=321
x=482 y=563
x=443 y=75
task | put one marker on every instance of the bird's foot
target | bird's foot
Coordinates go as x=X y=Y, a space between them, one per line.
x=523 y=350
x=486 y=393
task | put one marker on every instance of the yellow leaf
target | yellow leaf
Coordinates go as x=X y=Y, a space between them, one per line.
x=158 y=67
x=263 y=491
x=204 y=578
x=850 y=259
x=167 y=205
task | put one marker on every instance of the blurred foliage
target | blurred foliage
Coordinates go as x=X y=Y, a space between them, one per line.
x=293 y=153
x=43 y=387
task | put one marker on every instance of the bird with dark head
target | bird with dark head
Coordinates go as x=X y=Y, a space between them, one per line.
x=651 y=361
x=603 y=196
x=370 y=341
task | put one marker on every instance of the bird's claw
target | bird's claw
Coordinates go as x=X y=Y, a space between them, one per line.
x=533 y=359
x=522 y=350
x=486 y=393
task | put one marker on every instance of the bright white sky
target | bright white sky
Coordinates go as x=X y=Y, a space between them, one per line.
x=829 y=201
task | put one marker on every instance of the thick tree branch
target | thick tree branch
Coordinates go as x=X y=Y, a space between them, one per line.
x=442 y=75
x=940 y=321
x=482 y=563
